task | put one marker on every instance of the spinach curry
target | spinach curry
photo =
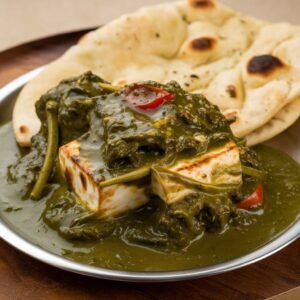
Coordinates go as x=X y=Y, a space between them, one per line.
x=145 y=177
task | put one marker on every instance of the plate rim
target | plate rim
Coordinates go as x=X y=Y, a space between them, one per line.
x=7 y=233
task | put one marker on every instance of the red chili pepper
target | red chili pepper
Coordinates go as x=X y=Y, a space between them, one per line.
x=255 y=199
x=147 y=96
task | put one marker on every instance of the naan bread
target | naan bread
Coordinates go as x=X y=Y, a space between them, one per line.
x=248 y=67
x=280 y=122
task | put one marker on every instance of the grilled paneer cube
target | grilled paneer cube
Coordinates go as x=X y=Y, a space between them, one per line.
x=218 y=167
x=107 y=201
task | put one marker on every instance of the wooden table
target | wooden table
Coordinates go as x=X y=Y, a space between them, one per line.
x=22 y=277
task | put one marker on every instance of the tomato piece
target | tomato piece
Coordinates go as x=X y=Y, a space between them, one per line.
x=147 y=96
x=255 y=199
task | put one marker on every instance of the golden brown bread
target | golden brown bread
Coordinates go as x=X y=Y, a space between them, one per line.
x=249 y=68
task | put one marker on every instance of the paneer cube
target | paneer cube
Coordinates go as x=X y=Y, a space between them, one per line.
x=107 y=201
x=220 y=166
x=167 y=189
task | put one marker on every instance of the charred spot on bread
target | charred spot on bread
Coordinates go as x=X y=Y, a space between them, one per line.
x=231 y=90
x=23 y=129
x=264 y=64
x=203 y=44
x=201 y=3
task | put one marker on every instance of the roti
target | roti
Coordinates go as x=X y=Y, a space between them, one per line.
x=248 y=67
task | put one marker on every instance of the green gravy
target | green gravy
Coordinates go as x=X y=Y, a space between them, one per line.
x=281 y=209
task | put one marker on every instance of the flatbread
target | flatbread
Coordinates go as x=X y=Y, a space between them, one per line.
x=280 y=122
x=248 y=67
